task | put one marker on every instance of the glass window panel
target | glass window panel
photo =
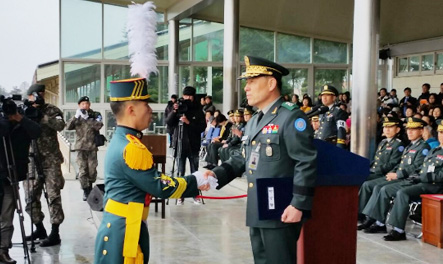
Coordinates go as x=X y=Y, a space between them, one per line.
x=201 y=79
x=163 y=37
x=334 y=77
x=111 y=125
x=403 y=65
x=82 y=79
x=184 y=78
x=81 y=29
x=293 y=49
x=184 y=45
x=115 y=38
x=158 y=121
x=256 y=42
x=329 y=51
x=414 y=63
x=69 y=134
x=295 y=82
x=439 y=61
x=427 y=62
x=158 y=85
x=208 y=41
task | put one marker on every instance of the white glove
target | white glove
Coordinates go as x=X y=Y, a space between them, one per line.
x=79 y=113
x=213 y=182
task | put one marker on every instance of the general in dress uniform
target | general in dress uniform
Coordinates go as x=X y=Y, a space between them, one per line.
x=277 y=143
x=375 y=195
x=389 y=150
x=430 y=181
x=131 y=179
x=333 y=122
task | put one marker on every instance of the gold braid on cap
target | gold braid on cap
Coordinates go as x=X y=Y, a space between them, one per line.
x=440 y=128
x=414 y=125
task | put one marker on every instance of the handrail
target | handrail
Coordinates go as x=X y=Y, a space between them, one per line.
x=65 y=148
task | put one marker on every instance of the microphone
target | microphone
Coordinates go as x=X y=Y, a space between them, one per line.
x=318 y=111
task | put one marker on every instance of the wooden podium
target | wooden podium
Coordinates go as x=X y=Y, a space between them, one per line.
x=156 y=144
x=432 y=219
x=331 y=235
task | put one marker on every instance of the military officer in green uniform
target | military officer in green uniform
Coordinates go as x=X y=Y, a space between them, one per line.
x=333 y=122
x=389 y=150
x=375 y=195
x=430 y=181
x=278 y=143
x=131 y=179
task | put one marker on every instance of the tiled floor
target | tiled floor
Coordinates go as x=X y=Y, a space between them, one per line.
x=211 y=233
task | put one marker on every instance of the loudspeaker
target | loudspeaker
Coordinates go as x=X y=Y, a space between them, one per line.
x=95 y=198
x=384 y=54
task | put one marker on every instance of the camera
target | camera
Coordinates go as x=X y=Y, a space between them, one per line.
x=183 y=106
x=14 y=104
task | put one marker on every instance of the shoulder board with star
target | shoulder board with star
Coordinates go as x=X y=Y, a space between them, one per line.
x=136 y=155
x=290 y=106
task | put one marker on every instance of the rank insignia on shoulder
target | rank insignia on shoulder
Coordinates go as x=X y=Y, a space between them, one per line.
x=289 y=106
x=300 y=124
x=136 y=155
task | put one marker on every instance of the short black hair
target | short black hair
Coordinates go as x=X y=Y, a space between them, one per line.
x=384 y=90
x=407 y=89
x=117 y=107
x=393 y=90
x=427 y=85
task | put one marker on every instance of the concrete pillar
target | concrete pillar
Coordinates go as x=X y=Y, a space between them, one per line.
x=173 y=57
x=230 y=54
x=364 y=74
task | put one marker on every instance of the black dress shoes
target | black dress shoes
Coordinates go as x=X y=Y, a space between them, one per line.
x=375 y=229
x=51 y=240
x=5 y=258
x=366 y=224
x=395 y=236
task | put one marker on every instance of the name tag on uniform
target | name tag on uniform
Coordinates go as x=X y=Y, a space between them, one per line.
x=431 y=168
x=244 y=138
x=253 y=160
x=271 y=202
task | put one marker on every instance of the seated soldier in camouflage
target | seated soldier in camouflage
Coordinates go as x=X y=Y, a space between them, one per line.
x=87 y=124
x=429 y=182
x=375 y=195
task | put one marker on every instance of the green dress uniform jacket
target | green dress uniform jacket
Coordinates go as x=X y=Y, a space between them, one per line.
x=287 y=151
x=333 y=126
x=124 y=185
x=378 y=192
x=431 y=182
x=388 y=155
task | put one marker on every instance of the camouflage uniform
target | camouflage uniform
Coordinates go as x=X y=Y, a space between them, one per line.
x=85 y=131
x=50 y=159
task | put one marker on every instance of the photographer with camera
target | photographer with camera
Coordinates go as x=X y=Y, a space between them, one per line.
x=50 y=159
x=87 y=125
x=16 y=131
x=188 y=122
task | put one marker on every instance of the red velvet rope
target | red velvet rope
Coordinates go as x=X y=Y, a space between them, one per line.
x=222 y=198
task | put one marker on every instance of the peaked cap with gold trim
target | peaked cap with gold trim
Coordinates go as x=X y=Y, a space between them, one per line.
x=231 y=113
x=135 y=89
x=256 y=66
x=238 y=112
x=248 y=111
x=328 y=89
x=391 y=121
x=415 y=123
x=439 y=122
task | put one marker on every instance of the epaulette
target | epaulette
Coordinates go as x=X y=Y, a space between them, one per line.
x=289 y=106
x=136 y=155
x=398 y=140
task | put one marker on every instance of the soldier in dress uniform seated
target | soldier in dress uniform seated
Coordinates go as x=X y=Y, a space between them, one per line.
x=430 y=181
x=333 y=122
x=234 y=141
x=131 y=179
x=389 y=150
x=375 y=195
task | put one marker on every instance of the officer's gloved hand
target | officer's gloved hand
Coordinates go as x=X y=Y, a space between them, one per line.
x=81 y=113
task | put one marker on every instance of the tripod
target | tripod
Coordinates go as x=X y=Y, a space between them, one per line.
x=36 y=167
x=12 y=177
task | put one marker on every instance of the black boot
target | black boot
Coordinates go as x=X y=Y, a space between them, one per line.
x=86 y=192
x=39 y=233
x=53 y=238
x=5 y=258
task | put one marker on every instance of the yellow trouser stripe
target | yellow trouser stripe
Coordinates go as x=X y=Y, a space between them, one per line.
x=181 y=187
x=134 y=214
